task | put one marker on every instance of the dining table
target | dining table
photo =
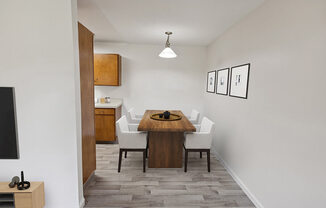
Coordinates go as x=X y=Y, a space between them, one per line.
x=165 y=138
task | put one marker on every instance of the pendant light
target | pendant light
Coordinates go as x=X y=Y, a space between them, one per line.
x=167 y=51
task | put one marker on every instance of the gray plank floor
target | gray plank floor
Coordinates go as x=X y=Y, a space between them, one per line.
x=161 y=187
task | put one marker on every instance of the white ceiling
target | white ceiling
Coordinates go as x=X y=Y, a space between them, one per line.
x=193 y=22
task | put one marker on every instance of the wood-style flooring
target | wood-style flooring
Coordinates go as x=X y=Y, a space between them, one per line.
x=161 y=187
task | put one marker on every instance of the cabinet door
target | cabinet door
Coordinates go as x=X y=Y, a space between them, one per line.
x=107 y=69
x=23 y=200
x=104 y=127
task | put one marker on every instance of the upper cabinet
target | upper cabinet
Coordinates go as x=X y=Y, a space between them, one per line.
x=107 y=69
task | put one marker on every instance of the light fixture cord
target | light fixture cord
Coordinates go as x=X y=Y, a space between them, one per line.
x=167 y=44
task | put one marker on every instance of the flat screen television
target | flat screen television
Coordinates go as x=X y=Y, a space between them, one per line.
x=8 y=133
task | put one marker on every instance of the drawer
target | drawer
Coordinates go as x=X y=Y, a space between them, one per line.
x=104 y=111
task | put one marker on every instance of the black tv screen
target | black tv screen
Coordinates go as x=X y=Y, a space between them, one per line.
x=8 y=134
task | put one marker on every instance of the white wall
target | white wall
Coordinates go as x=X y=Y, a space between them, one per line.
x=81 y=198
x=37 y=57
x=150 y=82
x=275 y=141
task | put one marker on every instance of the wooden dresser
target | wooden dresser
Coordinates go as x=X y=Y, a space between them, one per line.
x=14 y=198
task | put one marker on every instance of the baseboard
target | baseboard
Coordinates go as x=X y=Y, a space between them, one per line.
x=90 y=179
x=238 y=180
x=82 y=203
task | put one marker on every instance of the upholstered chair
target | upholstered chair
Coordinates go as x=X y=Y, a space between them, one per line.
x=194 y=117
x=130 y=140
x=132 y=117
x=200 y=141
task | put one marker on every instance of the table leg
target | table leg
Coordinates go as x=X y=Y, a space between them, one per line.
x=165 y=149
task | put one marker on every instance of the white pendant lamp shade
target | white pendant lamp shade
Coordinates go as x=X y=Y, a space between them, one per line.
x=167 y=51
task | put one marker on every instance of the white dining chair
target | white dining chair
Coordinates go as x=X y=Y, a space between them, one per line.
x=133 y=117
x=194 y=116
x=200 y=141
x=130 y=140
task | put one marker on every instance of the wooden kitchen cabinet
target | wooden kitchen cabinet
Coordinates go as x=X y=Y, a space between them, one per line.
x=105 y=119
x=107 y=69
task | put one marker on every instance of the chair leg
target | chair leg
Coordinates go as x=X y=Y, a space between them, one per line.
x=147 y=140
x=209 y=160
x=186 y=159
x=144 y=160
x=126 y=154
x=201 y=154
x=120 y=158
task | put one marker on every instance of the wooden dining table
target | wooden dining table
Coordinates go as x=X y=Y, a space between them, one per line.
x=165 y=139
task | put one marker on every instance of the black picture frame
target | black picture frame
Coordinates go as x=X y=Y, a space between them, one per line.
x=208 y=75
x=227 y=80
x=246 y=85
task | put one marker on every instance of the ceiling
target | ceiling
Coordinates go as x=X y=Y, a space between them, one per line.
x=193 y=22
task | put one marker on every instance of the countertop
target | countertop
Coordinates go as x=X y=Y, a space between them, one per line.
x=115 y=103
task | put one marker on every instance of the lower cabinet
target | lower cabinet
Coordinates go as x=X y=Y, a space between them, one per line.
x=105 y=119
x=30 y=198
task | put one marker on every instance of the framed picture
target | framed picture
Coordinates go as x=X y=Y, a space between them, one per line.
x=222 y=81
x=211 y=81
x=239 y=81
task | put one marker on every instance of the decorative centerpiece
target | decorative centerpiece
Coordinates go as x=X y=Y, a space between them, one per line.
x=165 y=116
